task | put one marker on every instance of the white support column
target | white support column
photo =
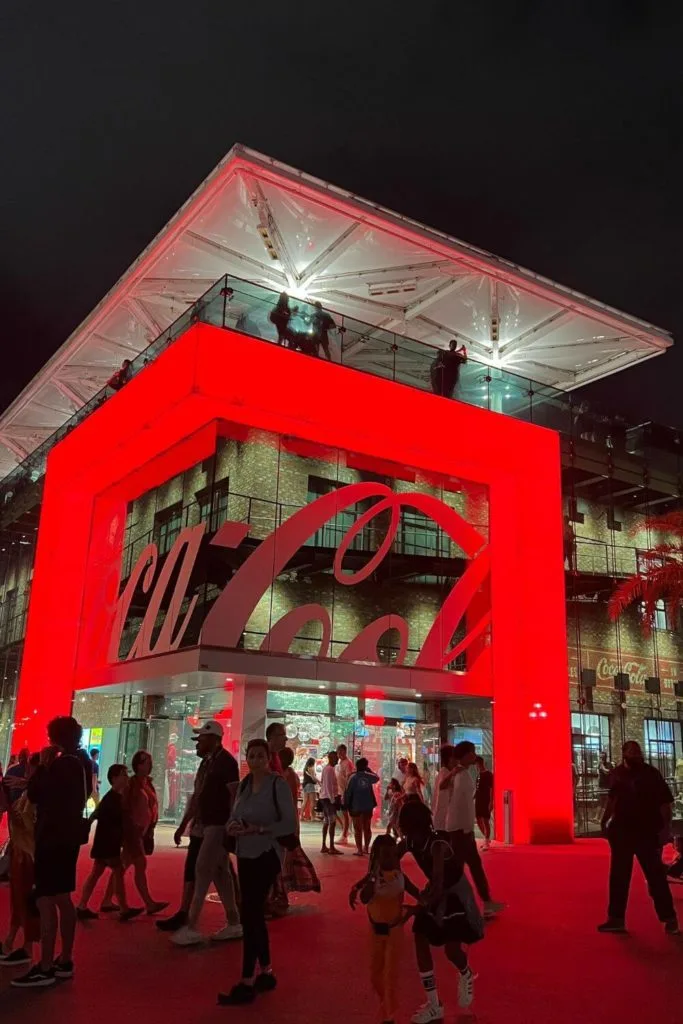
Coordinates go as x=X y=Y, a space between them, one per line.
x=248 y=715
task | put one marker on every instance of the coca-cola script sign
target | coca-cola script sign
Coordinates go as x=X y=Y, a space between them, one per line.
x=227 y=618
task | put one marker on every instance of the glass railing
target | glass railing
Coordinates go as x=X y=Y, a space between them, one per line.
x=246 y=307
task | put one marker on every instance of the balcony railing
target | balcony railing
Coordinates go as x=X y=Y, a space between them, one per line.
x=263 y=516
x=244 y=306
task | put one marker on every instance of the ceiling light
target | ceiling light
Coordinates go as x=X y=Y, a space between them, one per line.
x=392 y=287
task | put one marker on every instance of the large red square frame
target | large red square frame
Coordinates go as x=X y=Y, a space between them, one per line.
x=164 y=420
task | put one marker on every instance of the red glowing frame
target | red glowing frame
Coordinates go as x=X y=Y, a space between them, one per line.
x=165 y=420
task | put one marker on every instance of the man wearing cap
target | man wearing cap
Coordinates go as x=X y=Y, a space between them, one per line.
x=210 y=808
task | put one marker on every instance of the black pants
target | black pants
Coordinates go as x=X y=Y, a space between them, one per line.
x=256 y=876
x=623 y=849
x=464 y=846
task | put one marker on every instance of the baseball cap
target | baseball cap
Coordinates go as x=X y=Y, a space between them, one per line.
x=210 y=728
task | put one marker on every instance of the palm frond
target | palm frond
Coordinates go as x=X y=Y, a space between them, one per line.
x=659 y=583
x=625 y=594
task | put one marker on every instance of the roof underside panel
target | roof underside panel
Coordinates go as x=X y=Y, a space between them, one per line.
x=261 y=221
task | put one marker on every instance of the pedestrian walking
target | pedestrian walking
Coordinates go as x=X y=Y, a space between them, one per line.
x=298 y=874
x=449 y=915
x=330 y=801
x=395 y=796
x=24 y=915
x=413 y=784
x=483 y=800
x=262 y=825
x=381 y=891
x=216 y=776
x=140 y=816
x=59 y=789
x=638 y=810
x=310 y=786
x=457 y=786
x=360 y=802
x=276 y=736
x=344 y=770
x=107 y=846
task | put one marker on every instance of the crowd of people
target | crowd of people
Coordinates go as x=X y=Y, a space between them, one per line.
x=244 y=839
x=310 y=341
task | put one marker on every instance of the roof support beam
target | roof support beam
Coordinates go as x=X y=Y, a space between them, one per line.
x=114 y=346
x=14 y=446
x=329 y=255
x=268 y=223
x=69 y=393
x=657 y=501
x=141 y=313
x=411 y=270
x=446 y=333
x=222 y=252
x=534 y=332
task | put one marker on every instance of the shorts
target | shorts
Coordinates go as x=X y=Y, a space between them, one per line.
x=454 y=926
x=329 y=811
x=482 y=812
x=55 y=870
x=191 y=858
x=109 y=862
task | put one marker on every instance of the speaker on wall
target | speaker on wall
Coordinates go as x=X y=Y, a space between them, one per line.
x=678 y=688
x=653 y=685
x=588 y=677
x=622 y=681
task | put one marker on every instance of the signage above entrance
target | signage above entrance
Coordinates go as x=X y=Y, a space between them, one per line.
x=228 y=617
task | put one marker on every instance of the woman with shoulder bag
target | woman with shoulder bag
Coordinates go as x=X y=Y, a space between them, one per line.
x=140 y=816
x=263 y=826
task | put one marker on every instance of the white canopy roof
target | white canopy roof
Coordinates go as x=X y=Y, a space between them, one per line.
x=265 y=222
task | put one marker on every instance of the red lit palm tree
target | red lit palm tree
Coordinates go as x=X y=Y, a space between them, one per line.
x=661 y=579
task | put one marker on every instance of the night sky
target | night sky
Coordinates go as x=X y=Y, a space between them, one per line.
x=548 y=133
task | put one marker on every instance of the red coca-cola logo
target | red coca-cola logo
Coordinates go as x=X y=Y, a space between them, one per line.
x=227 y=619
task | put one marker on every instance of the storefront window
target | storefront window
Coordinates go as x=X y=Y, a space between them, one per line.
x=663 y=746
x=590 y=738
x=287 y=700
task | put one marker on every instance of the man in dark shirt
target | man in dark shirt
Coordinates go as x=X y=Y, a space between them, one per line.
x=322 y=323
x=215 y=783
x=445 y=370
x=59 y=788
x=638 y=810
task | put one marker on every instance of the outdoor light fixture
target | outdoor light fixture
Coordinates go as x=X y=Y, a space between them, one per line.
x=392 y=287
x=267 y=241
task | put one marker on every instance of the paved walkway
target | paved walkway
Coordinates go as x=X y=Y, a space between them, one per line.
x=542 y=960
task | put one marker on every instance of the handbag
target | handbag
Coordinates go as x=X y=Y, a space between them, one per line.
x=291 y=840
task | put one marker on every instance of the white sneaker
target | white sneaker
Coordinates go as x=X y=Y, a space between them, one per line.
x=187 y=936
x=466 y=988
x=491 y=908
x=426 y=1014
x=228 y=933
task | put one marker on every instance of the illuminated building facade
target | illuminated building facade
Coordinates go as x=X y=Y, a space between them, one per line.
x=246 y=531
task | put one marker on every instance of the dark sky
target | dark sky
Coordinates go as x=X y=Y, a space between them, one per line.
x=547 y=132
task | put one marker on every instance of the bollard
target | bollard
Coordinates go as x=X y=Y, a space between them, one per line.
x=507 y=817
